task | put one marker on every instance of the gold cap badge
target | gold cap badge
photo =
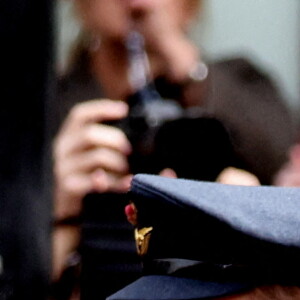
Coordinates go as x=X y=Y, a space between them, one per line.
x=142 y=238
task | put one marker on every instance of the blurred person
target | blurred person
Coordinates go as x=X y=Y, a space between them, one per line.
x=91 y=157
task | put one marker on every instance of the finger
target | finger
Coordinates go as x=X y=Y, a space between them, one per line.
x=106 y=136
x=124 y=184
x=235 y=176
x=77 y=185
x=94 y=135
x=99 y=158
x=109 y=182
x=95 y=111
x=295 y=155
x=168 y=173
x=288 y=176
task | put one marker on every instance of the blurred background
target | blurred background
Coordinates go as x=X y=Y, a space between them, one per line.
x=265 y=31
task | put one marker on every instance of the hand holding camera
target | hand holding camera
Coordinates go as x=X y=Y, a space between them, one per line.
x=90 y=156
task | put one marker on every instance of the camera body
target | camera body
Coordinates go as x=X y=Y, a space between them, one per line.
x=165 y=135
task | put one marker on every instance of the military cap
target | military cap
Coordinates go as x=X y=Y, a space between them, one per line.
x=204 y=240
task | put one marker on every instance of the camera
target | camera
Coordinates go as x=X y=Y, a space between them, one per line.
x=165 y=135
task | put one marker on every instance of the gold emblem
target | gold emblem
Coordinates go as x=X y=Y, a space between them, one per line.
x=142 y=238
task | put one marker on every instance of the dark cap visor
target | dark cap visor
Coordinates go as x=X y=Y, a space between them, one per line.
x=157 y=287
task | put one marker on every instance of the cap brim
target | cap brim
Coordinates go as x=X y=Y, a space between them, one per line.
x=156 y=287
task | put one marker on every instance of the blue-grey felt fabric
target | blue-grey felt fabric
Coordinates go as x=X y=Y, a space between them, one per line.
x=261 y=235
x=269 y=213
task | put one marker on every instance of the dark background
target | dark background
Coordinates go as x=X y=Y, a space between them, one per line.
x=26 y=88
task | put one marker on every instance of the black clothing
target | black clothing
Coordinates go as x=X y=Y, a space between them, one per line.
x=109 y=259
x=25 y=202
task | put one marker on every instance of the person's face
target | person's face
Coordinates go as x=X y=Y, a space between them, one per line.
x=112 y=19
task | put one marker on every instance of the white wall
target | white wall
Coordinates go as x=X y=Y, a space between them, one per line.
x=67 y=30
x=268 y=30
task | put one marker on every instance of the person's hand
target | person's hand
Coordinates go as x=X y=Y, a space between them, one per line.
x=289 y=174
x=236 y=176
x=89 y=156
x=163 y=25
